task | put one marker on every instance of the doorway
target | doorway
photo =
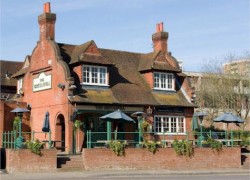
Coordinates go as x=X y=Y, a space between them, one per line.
x=60 y=133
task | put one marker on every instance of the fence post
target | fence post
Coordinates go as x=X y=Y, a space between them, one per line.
x=15 y=134
x=232 y=138
x=8 y=139
x=49 y=139
x=32 y=135
x=87 y=138
x=90 y=139
x=164 y=143
x=11 y=137
x=3 y=139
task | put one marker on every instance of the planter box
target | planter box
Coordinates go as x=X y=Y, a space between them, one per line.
x=22 y=160
x=165 y=158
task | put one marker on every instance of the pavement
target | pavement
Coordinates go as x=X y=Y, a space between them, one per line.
x=118 y=173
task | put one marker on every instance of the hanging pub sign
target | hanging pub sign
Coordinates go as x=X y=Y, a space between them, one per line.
x=42 y=82
x=170 y=110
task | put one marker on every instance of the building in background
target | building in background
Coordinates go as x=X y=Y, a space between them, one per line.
x=239 y=67
x=8 y=84
x=217 y=93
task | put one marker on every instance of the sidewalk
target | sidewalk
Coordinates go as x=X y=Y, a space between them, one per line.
x=119 y=173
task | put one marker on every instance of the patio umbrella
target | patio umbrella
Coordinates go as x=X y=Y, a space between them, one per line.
x=20 y=110
x=46 y=126
x=227 y=118
x=117 y=116
x=139 y=113
x=194 y=123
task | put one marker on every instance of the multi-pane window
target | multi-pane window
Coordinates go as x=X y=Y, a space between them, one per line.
x=19 y=85
x=163 y=81
x=169 y=124
x=94 y=75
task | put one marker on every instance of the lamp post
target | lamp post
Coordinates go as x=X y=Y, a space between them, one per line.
x=19 y=112
x=139 y=116
x=200 y=115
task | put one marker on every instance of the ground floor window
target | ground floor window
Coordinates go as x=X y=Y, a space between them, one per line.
x=169 y=124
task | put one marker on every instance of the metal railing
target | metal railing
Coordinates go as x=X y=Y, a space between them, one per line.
x=99 y=139
x=9 y=138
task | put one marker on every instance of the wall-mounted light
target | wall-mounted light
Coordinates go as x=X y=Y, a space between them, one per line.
x=29 y=106
x=61 y=85
x=149 y=111
x=21 y=91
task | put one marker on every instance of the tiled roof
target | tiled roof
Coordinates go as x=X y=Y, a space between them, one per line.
x=77 y=53
x=157 y=61
x=20 y=72
x=127 y=84
x=9 y=67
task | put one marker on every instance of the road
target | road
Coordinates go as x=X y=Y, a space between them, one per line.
x=129 y=175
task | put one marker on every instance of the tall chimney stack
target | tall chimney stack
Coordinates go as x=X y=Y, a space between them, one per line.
x=47 y=23
x=46 y=7
x=160 y=38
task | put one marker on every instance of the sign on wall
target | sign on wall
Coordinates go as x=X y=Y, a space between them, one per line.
x=42 y=82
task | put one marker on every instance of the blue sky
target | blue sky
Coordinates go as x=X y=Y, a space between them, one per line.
x=199 y=30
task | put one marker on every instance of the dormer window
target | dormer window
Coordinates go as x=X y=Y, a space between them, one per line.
x=95 y=75
x=164 y=81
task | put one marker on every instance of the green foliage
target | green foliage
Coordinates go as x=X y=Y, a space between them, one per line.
x=152 y=146
x=35 y=146
x=245 y=137
x=77 y=124
x=16 y=123
x=183 y=148
x=144 y=126
x=215 y=145
x=118 y=147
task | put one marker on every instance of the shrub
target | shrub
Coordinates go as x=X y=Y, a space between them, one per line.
x=152 y=145
x=215 y=145
x=118 y=147
x=183 y=148
x=35 y=146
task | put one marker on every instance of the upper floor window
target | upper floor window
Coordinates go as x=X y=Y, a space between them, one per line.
x=95 y=75
x=164 y=81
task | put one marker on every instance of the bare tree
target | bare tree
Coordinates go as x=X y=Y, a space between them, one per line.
x=220 y=92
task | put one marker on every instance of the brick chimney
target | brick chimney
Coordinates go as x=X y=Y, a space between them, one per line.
x=160 y=39
x=47 y=23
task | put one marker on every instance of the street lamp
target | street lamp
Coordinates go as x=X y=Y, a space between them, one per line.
x=19 y=112
x=200 y=115
x=139 y=116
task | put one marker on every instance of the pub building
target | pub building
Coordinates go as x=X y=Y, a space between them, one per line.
x=85 y=82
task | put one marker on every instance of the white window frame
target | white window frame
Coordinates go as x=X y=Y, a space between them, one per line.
x=98 y=77
x=169 y=125
x=19 y=85
x=163 y=81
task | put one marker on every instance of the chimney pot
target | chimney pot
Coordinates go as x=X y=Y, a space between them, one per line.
x=161 y=27
x=46 y=7
x=157 y=27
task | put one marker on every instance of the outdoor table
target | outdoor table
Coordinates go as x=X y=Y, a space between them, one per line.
x=228 y=142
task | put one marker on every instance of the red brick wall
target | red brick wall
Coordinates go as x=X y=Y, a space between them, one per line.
x=93 y=49
x=7 y=118
x=22 y=160
x=44 y=58
x=78 y=71
x=149 y=79
x=165 y=158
